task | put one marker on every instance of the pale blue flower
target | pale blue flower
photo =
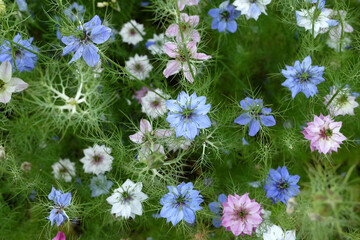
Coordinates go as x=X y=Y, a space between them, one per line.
x=100 y=185
x=224 y=17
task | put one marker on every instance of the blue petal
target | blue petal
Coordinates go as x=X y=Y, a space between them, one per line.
x=215 y=207
x=100 y=34
x=222 y=26
x=243 y=119
x=216 y=222
x=231 y=26
x=222 y=198
x=215 y=12
x=189 y=215
x=202 y=121
x=267 y=121
x=77 y=54
x=94 y=22
x=90 y=55
x=254 y=11
x=254 y=127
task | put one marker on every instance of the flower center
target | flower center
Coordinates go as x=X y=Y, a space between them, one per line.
x=138 y=67
x=326 y=133
x=180 y=200
x=283 y=185
x=341 y=100
x=97 y=159
x=304 y=77
x=187 y=113
x=85 y=37
x=132 y=32
x=242 y=213
x=155 y=103
x=126 y=196
x=225 y=16
x=63 y=170
x=2 y=83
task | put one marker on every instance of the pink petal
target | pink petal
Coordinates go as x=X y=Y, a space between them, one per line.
x=194 y=20
x=171 y=49
x=181 y=5
x=187 y=72
x=172 y=30
x=195 y=36
x=163 y=133
x=201 y=56
x=5 y=71
x=191 y=47
x=137 y=137
x=145 y=126
x=172 y=68
x=184 y=17
x=59 y=236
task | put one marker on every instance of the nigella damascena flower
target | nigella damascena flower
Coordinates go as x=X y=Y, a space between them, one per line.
x=59 y=236
x=302 y=77
x=342 y=101
x=153 y=105
x=24 y=59
x=217 y=208
x=252 y=8
x=280 y=186
x=241 y=215
x=187 y=23
x=139 y=67
x=75 y=12
x=177 y=51
x=183 y=3
x=100 y=185
x=156 y=44
x=188 y=114
x=132 y=32
x=64 y=169
x=274 y=232
x=254 y=115
x=224 y=17
x=97 y=159
x=61 y=201
x=319 y=16
x=92 y=33
x=324 y=134
x=126 y=200
x=9 y=84
x=181 y=203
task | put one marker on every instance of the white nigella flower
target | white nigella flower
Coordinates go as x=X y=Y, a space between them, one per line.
x=153 y=105
x=126 y=200
x=97 y=159
x=64 y=169
x=343 y=103
x=276 y=233
x=25 y=166
x=251 y=8
x=338 y=43
x=138 y=66
x=156 y=44
x=132 y=32
x=9 y=84
x=265 y=223
x=322 y=20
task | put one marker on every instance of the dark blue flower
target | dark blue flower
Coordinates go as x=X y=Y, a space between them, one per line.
x=181 y=203
x=224 y=17
x=217 y=209
x=100 y=185
x=188 y=114
x=61 y=200
x=280 y=186
x=92 y=32
x=255 y=114
x=24 y=59
x=303 y=77
x=75 y=11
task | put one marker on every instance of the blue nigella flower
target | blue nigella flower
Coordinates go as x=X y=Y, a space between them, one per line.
x=61 y=200
x=224 y=17
x=100 y=185
x=188 y=114
x=75 y=11
x=303 y=77
x=24 y=59
x=280 y=186
x=22 y=5
x=93 y=32
x=255 y=114
x=217 y=207
x=181 y=203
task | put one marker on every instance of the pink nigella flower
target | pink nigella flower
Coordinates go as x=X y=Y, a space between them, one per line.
x=241 y=215
x=59 y=236
x=177 y=51
x=187 y=24
x=141 y=93
x=146 y=132
x=324 y=134
x=182 y=3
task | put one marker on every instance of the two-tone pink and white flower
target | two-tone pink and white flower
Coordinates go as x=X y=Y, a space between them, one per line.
x=177 y=51
x=149 y=139
x=241 y=215
x=324 y=134
x=183 y=3
x=187 y=24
